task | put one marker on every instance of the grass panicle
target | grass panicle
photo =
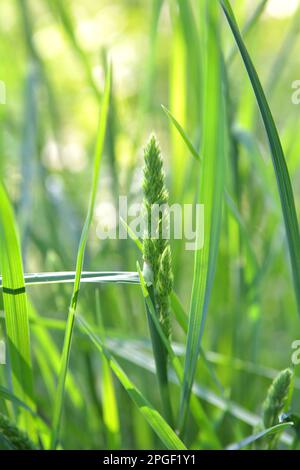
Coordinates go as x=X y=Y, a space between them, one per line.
x=157 y=260
x=276 y=398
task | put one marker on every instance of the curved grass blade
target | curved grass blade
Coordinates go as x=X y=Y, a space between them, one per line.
x=16 y=310
x=228 y=199
x=250 y=23
x=6 y=394
x=156 y=421
x=58 y=403
x=280 y=167
x=211 y=195
x=278 y=428
x=181 y=132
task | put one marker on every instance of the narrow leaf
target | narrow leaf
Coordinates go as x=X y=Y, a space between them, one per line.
x=58 y=404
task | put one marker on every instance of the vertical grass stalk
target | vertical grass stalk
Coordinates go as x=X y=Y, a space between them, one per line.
x=79 y=264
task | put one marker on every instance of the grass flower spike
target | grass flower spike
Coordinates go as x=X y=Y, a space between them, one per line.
x=157 y=260
x=276 y=398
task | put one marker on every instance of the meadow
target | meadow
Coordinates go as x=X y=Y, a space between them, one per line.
x=140 y=341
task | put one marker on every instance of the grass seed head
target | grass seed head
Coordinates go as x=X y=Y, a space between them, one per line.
x=156 y=250
x=276 y=398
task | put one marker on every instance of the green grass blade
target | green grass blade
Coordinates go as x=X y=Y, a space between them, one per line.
x=280 y=167
x=156 y=421
x=16 y=310
x=278 y=428
x=196 y=408
x=79 y=264
x=250 y=23
x=6 y=394
x=181 y=132
x=150 y=66
x=48 y=356
x=99 y=277
x=211 y=193
x=109 y=400
x=228 y=199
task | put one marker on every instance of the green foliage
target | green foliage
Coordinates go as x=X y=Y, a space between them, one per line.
x=210 y=194
x=16 y=310
x=13 y=438
x=79 y=265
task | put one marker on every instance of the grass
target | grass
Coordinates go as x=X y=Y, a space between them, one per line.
x=79 y=264
x=186 y=352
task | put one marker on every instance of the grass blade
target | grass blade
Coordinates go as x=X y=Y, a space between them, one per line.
x=181 y=132
x=196 y=408
x=110 y=408
x=211 y=192
x=65 y=277
x=79 y=264
x=280 y=167
x=156 y=421
x=278 y=428
x=250 y=23
x=5 y=394
x=16 y=310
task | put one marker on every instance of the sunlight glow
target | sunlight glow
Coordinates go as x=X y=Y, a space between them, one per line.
x=281 y=8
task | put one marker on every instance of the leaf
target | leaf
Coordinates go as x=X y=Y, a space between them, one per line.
x=111 y=419
x=181 y=132
x=255 y=437
x=156 y=421
x=16 y=309
x=211 y=195
x=280 y=167
x=5 y=394
x=100 y=277
x=250 y=23
x=196 y=408
x=58 y=403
